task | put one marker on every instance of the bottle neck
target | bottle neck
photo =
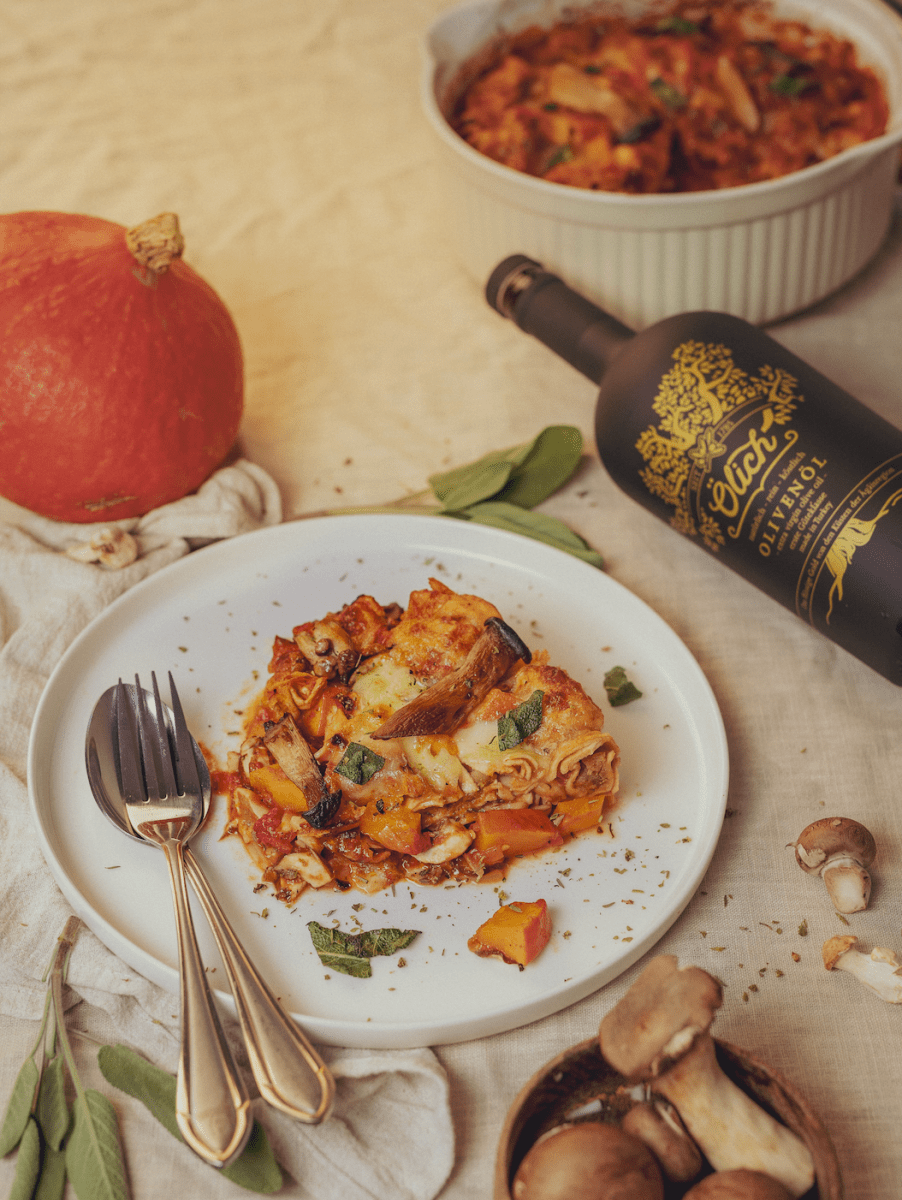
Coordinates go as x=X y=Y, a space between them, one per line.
x=542 y=305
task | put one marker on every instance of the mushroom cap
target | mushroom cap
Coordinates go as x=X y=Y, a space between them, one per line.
x=834 y=948
x=830 y=836
x=738 y=1185
x=639 y=1036
x=592 y=1161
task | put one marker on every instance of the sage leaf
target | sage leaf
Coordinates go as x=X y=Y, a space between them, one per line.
x=52 y=1110
x=620 y=690
x=524 y=475
x=553 y=457
x=475 y=482
x=350 y=953
x=516 y=726
x=134 y=1075
x=359 y=763
x=18 y=1108
x=375 y=942
x=539 y=526
x=28 y=1162
x=340 y=951
x=255 y=1169
x=52 y=1180
x=93 y=1151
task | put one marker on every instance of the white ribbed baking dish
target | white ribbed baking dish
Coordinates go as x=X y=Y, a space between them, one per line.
x=761 y=251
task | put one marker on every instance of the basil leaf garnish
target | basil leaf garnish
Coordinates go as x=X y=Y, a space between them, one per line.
x=620 y=690
x=350 y=953
x=515 y=726
x=359 y=763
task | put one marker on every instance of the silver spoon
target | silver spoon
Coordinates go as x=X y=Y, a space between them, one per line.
x=288 y=1071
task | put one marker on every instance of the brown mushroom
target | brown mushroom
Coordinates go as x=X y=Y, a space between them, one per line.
x=840 y=850
x=294 y=756
x=658 y=1034
x=444 y=705
x=738 y=1185
x=664 y=1134
x=589 y=1161
x=326 y=646
x=880 y=970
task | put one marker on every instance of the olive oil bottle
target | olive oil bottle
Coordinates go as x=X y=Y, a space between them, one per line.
x=746 y=450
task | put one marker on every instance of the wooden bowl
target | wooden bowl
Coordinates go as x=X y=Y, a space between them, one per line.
x=580 y=1075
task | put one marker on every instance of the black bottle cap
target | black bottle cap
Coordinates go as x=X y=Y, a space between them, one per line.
x=508 y=279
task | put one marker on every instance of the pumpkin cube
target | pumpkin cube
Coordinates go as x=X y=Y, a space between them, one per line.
x=516 y=932
x=270 y=779
x=572 y=816
x=515 y=831
x=396 y=828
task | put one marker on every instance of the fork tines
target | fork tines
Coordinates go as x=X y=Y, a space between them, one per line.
x=150 y=770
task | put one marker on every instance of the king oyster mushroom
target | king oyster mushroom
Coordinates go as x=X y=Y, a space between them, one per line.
x=295 y=757
x=442 y=707
x=658 y=1034
x=880 y=970
x=840 y=850
x=659 y=1126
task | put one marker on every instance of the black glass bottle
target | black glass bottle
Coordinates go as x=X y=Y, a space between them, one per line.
x=744 y=448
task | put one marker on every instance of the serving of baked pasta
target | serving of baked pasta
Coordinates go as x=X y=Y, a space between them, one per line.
x=426 y=744
x=687 y=97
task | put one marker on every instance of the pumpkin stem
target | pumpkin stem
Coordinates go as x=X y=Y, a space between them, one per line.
x=155 y=243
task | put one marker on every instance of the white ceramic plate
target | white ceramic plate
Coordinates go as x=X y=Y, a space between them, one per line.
x=211 y=619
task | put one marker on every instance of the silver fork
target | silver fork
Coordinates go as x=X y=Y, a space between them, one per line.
x=164 y=803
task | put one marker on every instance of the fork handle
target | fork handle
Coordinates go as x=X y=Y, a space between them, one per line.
x=288 y=1071
x=212 y=1104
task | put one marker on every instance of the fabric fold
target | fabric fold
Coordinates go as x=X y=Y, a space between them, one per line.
x=391 y=1132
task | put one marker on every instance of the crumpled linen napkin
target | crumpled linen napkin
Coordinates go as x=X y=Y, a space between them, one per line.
x=391 y=1132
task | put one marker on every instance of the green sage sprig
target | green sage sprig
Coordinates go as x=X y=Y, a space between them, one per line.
x=80 y=1141
x=501 y=488
x=57 y=1141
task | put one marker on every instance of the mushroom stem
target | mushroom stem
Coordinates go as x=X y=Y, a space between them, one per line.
x=880 y=970
x=659 y=1033
x=840 y=850
x=848 y=884
x=731 y=1130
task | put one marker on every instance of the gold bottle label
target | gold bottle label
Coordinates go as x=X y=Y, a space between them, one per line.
x=728 y=459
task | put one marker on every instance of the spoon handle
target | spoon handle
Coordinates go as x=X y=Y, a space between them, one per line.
x=212 y=1105
x=288 y=1071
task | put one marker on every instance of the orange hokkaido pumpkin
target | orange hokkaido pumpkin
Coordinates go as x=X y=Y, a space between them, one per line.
x=121 y=374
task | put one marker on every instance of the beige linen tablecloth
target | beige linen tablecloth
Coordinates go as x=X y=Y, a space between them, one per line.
x=288 y=137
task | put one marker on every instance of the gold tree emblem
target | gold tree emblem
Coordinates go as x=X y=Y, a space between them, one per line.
x=699 y=391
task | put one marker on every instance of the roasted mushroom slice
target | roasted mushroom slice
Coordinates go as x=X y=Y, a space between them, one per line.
x=442 y=707
x=327 y=647
x=295 y=757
